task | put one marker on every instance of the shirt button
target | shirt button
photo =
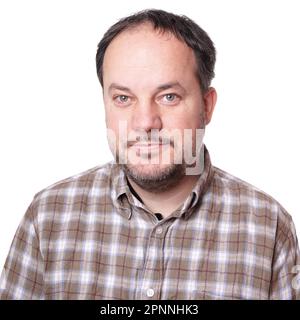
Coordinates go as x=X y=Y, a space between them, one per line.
x=159 y=230
x=150 y=293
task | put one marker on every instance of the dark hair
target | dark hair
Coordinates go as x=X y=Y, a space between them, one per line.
x=182 y=27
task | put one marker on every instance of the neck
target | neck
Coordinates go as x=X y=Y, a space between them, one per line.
x=169 y=200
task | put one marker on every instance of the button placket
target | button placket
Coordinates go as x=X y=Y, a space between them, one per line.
x=148 y=291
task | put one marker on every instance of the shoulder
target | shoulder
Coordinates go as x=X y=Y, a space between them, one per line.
x=78 y=190
x=244 y=197
x=81 y=181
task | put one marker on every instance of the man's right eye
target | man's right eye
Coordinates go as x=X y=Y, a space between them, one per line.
x=121 y=99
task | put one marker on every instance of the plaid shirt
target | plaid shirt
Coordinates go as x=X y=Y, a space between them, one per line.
x=89 y=237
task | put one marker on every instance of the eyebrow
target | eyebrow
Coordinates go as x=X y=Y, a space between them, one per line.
x=119 y=87
x=161 y=87
x=170 y=85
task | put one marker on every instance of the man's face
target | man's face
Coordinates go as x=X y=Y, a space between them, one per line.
x=150 y=85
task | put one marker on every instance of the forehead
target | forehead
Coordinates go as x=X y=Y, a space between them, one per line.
x=147 y=55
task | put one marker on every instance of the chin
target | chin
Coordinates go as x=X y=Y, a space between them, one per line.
x=154 y=177
x=149 y=171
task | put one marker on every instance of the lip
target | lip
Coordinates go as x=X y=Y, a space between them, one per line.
x=147 y=145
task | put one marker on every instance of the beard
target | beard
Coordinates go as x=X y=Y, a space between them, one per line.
x=158 y=175
x=157 y=178
x=168 y=167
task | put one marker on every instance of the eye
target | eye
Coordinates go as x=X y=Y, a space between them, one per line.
x=170 y=98
x=121 y=99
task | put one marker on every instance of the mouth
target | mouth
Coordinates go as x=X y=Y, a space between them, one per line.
x=148 y=148
x=146 y=145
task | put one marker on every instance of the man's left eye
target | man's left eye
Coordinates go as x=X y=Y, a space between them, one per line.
x=170 y=97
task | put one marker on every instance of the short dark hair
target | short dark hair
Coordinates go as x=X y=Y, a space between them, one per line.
x=182 y=27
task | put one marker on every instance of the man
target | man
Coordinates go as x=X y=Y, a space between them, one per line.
x=159 y=222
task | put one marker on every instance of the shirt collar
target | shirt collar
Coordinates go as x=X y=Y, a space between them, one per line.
x=120 y=188
x=185 y=210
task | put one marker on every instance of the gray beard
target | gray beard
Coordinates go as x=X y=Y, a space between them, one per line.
x=157 y=181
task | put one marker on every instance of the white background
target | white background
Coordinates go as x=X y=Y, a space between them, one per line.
x=52 y=120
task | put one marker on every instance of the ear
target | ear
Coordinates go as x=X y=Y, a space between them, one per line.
x=210 y=99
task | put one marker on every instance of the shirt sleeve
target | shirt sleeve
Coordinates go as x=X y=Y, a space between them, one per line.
x=22 y=275
x=285 y=283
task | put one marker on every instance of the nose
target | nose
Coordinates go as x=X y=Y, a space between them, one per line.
x=146 y=116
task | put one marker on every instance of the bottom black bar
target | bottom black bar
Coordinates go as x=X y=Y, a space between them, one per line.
x=112 y=309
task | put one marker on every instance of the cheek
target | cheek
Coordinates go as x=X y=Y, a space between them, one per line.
x=184 y=121
x=186 y=124
x=188 y=115
x=114 y=116
x=118 y=124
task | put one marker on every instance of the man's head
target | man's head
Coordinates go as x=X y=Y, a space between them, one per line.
x=155 y=69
